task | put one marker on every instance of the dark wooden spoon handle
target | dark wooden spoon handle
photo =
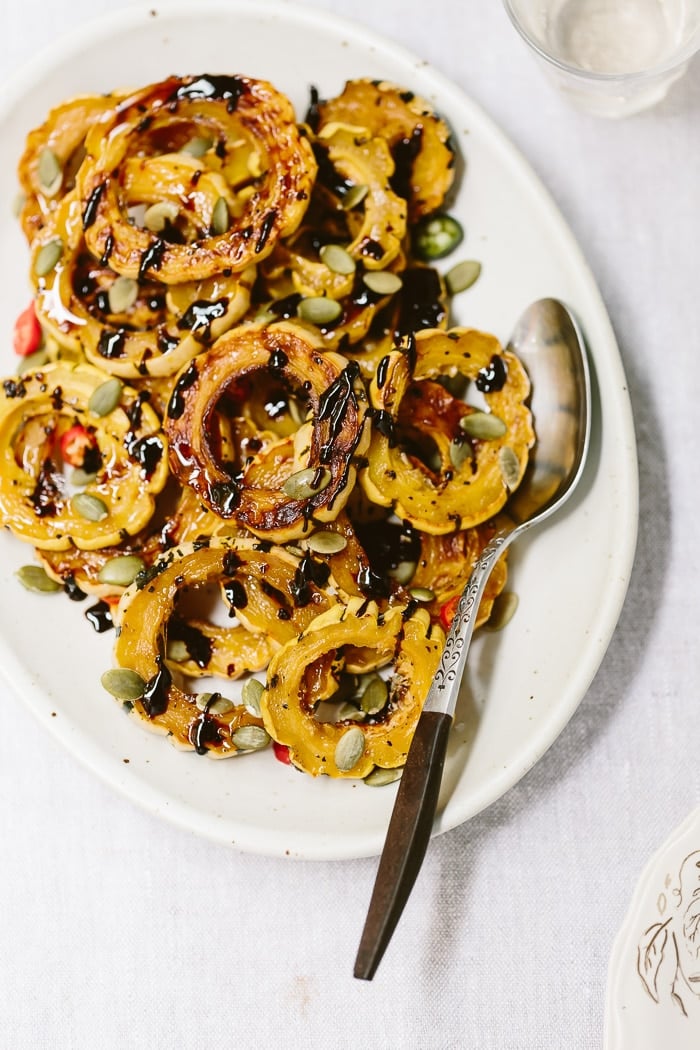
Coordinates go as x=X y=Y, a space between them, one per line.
x=406 y=840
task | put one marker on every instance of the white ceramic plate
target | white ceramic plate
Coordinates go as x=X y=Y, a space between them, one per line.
x=522 y=684
x=653 y=996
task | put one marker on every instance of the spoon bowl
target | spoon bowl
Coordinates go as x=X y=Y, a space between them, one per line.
x=549 y=343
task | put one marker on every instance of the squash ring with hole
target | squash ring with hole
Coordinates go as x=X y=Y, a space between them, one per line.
x=261 y=581
x=412 y=644
x=155 y=334
x=325 y=446
x=453 y=497
x=130 y=460
x=419 y=140
x=267 y=200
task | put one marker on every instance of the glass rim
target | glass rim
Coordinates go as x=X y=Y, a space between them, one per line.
x=684 y=54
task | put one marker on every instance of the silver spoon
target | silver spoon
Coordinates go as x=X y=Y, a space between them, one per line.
x=549 y=343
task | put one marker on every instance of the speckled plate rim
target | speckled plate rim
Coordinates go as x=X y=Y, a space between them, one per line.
x=308 y=841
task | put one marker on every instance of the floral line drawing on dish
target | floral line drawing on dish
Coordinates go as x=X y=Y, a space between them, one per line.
x=674 y=945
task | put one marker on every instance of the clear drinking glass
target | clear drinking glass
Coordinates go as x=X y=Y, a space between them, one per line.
x=610 y=57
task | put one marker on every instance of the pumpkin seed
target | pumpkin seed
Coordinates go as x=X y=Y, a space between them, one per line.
x=105 y=397
x=90 y=507
x=202 y=700
x=510 y=467
x=49 y=172
x=47 y=257
x=354 y=196
x=32 y=361
x=122 y=295
x=462 y=276
x=460 y=452
x=36 y=579
x=121 y=570
x=326 y=542
x=337 y=259
x=123 y=683
x=347 y=712
x=250 y=738
x=382 y=282
x=403 y=572
x=18 y=204
x=421 y=594
x=436 y=236
x=375 y=696
x=379 y=776
x=177 y=651
x=221 y=706
x=307 y=482
x=197 y=146
x=483 y=425
x=220 y=218
x=503 y=610
x=251 y=695
x=157 y=216
x=318 y=309
x=349 y=749
x=79 y=478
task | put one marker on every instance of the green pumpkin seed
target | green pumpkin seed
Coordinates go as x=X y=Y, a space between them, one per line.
x=403 y=573
x=32 y=361
x=320 y=310
x=36 y=579
x=18 y=204
x=347 y=712
x=121 y=570
x=436 y=236
x=422 y=594
x=79 y=478
x=337 y=259
x=462 y=276
x=252 y=694
x=105 y=398
x=379 y=776
x=47 y=257
x=157 y=217
x=483 y=425
x=123 y=683
x=382 y=282
x=307 y=482
x=326 y=542
x=197 y=146
x=460 y=452
x=49 y=172
x=90 y=507
x=177 y=651
x=349 y=749
x=122 y=295
x=354 y=196
x=503 y=610
x=375 y=696
x=221 y=705
x=510 y=467
x=220 y=217
x=250 y=738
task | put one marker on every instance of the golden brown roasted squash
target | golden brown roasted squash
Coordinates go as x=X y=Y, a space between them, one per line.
x=128 y=460
x=296 y=672
x=458 y=491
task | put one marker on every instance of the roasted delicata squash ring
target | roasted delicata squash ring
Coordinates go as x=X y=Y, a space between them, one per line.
x=132 y=329
x=455 y=496
x=265 y=167
x=324 y=448
x=259 y=582
x=446 y=562
x=52 y=155
x=413 y=644
x=419 y=140
x=128 y=460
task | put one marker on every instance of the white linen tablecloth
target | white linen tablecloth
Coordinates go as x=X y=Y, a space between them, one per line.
x=117 y=931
